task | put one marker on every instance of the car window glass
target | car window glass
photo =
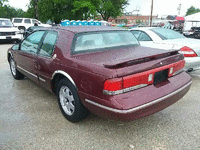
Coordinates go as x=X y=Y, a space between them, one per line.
x=167 y=34
x=33 y=21
x=30 y=44
x=48 y=44
x=27 y=21
x=144 y=37
x=17 y=20
x=136 y=33
x=6 y=23
x=94 y=41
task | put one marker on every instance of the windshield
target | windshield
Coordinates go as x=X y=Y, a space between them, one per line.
x=6 y=23
x=96 y=41
x=167 y=34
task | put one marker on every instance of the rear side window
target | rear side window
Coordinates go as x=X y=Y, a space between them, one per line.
x=27 y=21
x=48 y=44
x=17 y=21
x=136 y=33
x=144 y=37
x=141 y=36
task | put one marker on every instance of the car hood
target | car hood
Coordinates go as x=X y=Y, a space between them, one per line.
x=8 y=29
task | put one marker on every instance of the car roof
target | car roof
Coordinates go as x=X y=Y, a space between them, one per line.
x=144 y=28
x=24 y=18
x=79 y=29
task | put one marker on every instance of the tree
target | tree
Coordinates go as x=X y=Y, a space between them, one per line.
x=111 y=8
x=106 y=8
x=192 y=10
x=56 y=10
x=84 y=9
x=2 y=2
x=6 y=11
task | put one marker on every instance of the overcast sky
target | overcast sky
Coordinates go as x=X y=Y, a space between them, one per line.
x=161 y=7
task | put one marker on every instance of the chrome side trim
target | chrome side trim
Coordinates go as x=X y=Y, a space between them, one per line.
x=65 y=74
x=42 y=79
x=141 y=106
x=27 y=72
x=124 y=90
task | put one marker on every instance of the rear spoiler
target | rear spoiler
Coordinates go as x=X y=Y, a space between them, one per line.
x=128 y=62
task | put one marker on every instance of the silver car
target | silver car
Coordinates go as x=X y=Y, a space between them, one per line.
x=169 y=39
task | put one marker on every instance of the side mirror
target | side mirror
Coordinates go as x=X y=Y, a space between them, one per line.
x=15 y=47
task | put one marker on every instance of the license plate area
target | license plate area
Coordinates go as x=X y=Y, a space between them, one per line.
x=8 y=38
x=160 y=76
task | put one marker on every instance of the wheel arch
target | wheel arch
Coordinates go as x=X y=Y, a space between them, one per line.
x=58 y=75
x=9 y=55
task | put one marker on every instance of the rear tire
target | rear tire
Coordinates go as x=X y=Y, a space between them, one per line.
x=69 y=102
x=15 y=73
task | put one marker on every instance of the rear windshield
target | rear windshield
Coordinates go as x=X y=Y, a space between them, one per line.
x=167 y=34
x=6 y=23
x=97 y=41
x=17 y=20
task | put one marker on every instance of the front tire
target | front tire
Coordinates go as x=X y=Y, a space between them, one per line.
x=69 y=102
x=15 y=73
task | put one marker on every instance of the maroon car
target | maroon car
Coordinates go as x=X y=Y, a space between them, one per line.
x=102 y=70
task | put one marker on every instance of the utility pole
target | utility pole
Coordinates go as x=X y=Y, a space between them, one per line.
x=151 y=13
x=36 y=10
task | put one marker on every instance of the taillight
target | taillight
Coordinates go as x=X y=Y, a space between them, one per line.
x=113 y=84
x=139 y=80
x=188 y=52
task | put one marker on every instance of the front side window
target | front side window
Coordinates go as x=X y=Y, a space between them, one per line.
x=27 y=21
x=48 y=44
x=31 y=43
x=167 y=34
x=97 y=41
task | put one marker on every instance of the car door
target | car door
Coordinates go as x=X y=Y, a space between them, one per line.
x=46 y=58
x=26 y=56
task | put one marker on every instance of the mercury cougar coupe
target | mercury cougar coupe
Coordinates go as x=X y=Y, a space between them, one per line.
x=103 y=70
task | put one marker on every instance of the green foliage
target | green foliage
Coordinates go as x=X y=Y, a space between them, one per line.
x=111 y=8
x=56 y=10
x=84 y=9
x=6 y=11
x=2 y=2
x=192 y=10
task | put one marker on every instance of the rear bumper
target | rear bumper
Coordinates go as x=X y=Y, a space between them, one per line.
x=192 y=62
x=141 y=102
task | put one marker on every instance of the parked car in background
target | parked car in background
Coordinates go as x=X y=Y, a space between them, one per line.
x=169 y=39
x=8 y=31
x=32 y=29
x=100 y=69
x=191 y=28
x=194 y=32
x=25 y=23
